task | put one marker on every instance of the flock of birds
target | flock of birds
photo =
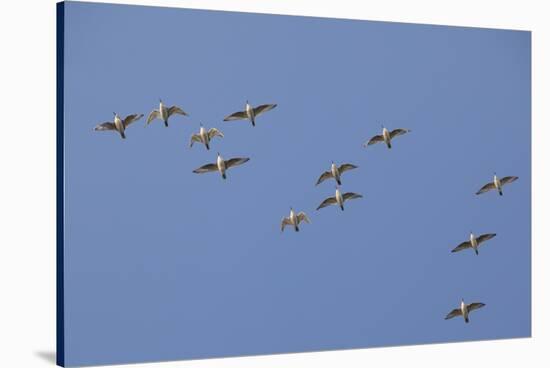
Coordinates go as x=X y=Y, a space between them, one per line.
x=294 y=219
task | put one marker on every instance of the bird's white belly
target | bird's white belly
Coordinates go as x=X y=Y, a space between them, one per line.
x=221 y=166
x=335 y=173
x=119 y=125
x=163 y=113
x=250 y=113
x=339 y=198
x=386 y=136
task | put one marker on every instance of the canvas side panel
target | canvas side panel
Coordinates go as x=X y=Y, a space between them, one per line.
x=60 y=300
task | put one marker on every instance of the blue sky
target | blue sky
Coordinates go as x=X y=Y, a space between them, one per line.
x=165 y=264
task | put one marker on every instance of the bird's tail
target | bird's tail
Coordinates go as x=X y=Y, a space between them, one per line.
x=389 y=145
x=296 y=228
x=500 y=191
x=224 y=176
x=207 y=146
x=342 y=207
x=339 y=181
x=467 y=320
x=166 y=122
x=253 y=122
x=123 y=135
x=477 y=252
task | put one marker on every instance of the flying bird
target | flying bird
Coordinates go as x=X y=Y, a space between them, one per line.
x=294 y=219
x=464 y=310
x=339 y=199
x=497 y=184
x=205 y=136
x=221 y=165
x=386 y=136
x=164 y=113
x=474 y=242
x=118 y=124
x=250 y=113
x=335 y=172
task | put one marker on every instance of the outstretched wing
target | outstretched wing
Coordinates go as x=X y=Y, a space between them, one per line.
x=487 y=187
x=454 y=313
x=508 y=179
x=373 y=140
x=351 y=195
x=324 y=176
x=239 y=115
x=213 y=132
x=397 y=132
x=195 y=138
x=236 y=161
x=303 y=217
x=105 y=126
x=263 y=108
x=474 y=306
x=131 y=119
x=346 y=167
x=176 y=110
x=206 y=168
x=485 y=237
x=155 y=114
x=462 y=246
x=327 y=202
x=284 y=222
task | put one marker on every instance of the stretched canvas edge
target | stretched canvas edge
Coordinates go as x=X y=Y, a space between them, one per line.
x=60 y=296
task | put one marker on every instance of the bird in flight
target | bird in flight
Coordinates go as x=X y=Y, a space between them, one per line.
x=119 y=124
x=339 y=199
x=205 y=136
x=386 y=136
x=164 y=113
x=335 y=172
x=294 y=219
x=474 y=242
x=250 y=113
x=464 y=310
x=497 y=184
x=221 y=165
